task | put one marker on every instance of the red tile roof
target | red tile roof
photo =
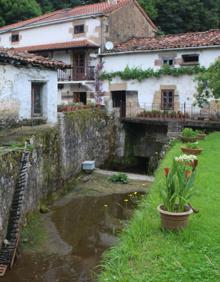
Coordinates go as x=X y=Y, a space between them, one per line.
x=102 y=8
x=185 y=40
x=59 y=46
x=11 y=56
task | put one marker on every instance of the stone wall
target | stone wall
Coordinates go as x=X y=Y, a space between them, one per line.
x=127 y=22
x=57 y=156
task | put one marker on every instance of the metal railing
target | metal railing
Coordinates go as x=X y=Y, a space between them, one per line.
x=184 y=112
x=77 y=74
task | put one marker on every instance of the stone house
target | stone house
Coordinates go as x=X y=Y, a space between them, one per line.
x=28 y=87
x=174 y=93
x=76 y=36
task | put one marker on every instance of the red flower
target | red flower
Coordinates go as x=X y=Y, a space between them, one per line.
x=166 y=171
x=188 y=173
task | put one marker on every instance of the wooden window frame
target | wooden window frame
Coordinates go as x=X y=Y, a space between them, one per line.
x=170 y=105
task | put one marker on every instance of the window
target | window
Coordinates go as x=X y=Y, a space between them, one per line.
x=190 y=59
x=36 y=99
x=15 y=37
x=168 y=62
x=79 y=29
x=167 y=99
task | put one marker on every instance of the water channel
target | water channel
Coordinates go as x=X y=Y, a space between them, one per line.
x=80 y=227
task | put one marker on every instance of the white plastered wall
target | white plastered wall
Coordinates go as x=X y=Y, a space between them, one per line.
x=15 y=92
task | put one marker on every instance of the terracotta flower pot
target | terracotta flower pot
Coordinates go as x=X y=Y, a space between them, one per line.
x=174 y=220
x=188 y=139
x=190 y=151
x=201 y=136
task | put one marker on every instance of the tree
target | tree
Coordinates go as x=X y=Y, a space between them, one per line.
x=150 y=7
x=208 y=84
x=12 y=11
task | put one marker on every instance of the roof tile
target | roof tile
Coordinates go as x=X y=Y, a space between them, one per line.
x=58 y=46
x=14 y=57
x=103 y=7
x=184 y=40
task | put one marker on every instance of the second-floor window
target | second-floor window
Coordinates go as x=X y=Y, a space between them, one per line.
x=79 y=29
x=15 y=37
x=190 y=59
x=168 y=61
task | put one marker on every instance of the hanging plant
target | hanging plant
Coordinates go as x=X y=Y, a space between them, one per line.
x=140 y=74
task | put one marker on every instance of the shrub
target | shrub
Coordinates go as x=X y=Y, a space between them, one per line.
x=189 y=132
x=119 y=178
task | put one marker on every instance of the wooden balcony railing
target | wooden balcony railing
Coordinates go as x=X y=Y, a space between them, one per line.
x=77 y=74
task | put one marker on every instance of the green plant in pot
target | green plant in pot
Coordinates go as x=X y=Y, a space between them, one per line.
x=201 y=134
x=176 y=193
x=192 y=149
x=188 y=135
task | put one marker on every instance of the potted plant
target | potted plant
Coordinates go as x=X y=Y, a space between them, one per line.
x=176 y=193
x=200 y=134
x=188 y=135
x=192 y=149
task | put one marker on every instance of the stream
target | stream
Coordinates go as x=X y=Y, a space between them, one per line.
x=80 y=228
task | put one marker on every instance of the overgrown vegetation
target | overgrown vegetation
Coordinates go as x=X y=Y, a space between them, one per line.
x=146 y=253
x=140 y=74
x=33 y=234
x=208 y=84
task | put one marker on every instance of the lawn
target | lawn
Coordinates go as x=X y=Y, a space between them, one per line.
x=146 y=253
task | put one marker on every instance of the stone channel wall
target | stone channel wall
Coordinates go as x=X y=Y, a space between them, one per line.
x=57 y=156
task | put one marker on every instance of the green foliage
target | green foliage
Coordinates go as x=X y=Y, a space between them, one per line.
x=208 y=84
x=194 y=145
x=189 y=132
x=194 y=15
x=140 y=74
x=178 y=189
x=119 y=178
x=12 y=11
x=33 y=234
x=145 y=253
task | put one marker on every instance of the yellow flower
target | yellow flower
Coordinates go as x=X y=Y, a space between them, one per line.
x=135 y=193
x=125 y=200
x=105 y=206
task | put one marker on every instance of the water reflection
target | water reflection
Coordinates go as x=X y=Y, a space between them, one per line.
x=89 y=225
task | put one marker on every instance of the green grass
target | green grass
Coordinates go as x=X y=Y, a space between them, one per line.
x=34 y=234
x=146 y=253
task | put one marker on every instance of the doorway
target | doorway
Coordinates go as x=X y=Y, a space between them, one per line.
x=79 y=66
x=119 y=101
x=81 y=97
x=36 y=99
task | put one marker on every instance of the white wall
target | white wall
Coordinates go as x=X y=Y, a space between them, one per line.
x=186 y=88
x=146 y=60
x=62 y=32
x=15 y=92
x=185 y=85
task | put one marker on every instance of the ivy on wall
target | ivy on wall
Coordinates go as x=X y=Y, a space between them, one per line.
x=140 y=74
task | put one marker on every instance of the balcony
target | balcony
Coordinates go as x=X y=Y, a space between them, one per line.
x=77 y=74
